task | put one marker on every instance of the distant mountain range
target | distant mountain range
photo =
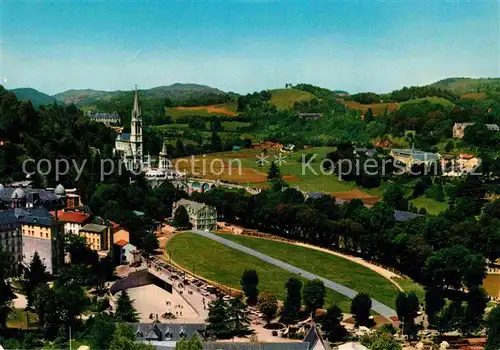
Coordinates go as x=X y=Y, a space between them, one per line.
x=182 y=93
x=85 y=97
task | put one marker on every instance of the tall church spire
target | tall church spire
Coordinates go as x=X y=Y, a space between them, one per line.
x=136 y=112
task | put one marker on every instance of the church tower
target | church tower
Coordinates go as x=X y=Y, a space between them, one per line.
x=136 y=131
x=163 y=161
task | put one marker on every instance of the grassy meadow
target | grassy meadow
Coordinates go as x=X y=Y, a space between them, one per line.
x=286 y=98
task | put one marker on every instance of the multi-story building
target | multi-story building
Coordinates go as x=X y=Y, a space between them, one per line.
x=73 y=220
x=42 y=233
x=10 y=238
x=105 y=118
x=201 y=216
x=98 y=237
x=410 y=157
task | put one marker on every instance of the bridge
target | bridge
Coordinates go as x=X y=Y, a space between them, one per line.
x=191 y=184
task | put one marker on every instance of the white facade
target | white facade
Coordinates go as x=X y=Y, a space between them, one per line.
x=130 y=145
x=201 y=216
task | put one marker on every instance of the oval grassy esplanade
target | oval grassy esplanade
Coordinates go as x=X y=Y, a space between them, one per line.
x=350 y=277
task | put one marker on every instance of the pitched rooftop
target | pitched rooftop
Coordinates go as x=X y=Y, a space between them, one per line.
x=93 y=228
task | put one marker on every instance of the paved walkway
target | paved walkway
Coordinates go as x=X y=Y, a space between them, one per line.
x=377 y=306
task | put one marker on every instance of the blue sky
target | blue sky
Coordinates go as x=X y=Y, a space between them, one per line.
x=245 y=46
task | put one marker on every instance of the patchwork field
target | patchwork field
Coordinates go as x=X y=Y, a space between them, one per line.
x=203 y=256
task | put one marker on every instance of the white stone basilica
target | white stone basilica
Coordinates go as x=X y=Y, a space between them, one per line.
x=130 y=147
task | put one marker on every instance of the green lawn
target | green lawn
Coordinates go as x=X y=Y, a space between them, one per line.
x=409 y=285
x=221 y=264
x=431 y=205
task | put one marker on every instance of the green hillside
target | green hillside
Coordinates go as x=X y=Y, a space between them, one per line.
x=434 y=100
x=36 y=97
x=286 y=98
x=465 y=85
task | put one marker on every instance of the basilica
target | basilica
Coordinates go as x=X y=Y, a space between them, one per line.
x=130 y=148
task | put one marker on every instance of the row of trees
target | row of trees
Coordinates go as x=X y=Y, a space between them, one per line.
x=311 y=295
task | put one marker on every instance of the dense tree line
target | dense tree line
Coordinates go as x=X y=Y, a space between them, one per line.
x=253 y=100
x=365 y=97
x=413 y=92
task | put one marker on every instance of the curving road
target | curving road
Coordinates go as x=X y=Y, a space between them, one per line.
x=377 y=306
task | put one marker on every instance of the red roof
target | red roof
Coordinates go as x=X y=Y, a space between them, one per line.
x=121 y=243
x=466 y=156
x=72 y=216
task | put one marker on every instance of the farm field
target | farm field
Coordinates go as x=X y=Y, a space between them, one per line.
x=202 y=255
x=286 y=98
x=329 y=266
x=474 y=96
x=377 y=108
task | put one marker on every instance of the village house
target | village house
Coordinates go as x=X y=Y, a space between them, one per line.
x=459 y=128
x=462 y=165
x=468 y=161
x=201 y=216
x=129 y=254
